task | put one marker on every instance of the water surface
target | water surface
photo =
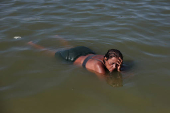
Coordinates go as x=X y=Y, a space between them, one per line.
x=33 y=82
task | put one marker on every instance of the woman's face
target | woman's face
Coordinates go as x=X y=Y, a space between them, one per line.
x=111 y=64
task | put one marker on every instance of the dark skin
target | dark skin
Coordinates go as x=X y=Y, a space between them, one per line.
x=92 y=65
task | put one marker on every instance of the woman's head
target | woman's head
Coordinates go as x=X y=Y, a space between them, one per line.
x=113 y=53
x=112 y=59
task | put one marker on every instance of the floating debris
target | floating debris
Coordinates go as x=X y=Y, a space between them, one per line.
x=16 y=37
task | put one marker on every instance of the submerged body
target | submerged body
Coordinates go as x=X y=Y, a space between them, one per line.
x=80 y=55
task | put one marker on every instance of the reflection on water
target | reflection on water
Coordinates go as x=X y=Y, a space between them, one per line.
x=114 y=79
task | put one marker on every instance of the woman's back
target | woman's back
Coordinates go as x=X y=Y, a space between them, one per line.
x=91 y=62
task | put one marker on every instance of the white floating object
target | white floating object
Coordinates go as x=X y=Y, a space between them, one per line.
x=16 y=37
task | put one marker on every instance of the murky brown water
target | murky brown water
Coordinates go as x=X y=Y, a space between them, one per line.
x=31 y=82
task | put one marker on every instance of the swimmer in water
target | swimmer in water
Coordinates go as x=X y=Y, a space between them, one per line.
x=80 y=55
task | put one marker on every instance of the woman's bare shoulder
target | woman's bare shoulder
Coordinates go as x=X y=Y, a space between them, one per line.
x=99 y=67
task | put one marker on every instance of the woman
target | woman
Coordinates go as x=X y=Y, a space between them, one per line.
x=99 y=64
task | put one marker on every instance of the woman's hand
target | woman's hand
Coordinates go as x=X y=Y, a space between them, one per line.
x=119 y=64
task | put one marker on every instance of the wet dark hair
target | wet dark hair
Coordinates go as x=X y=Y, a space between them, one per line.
x=113 y=53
